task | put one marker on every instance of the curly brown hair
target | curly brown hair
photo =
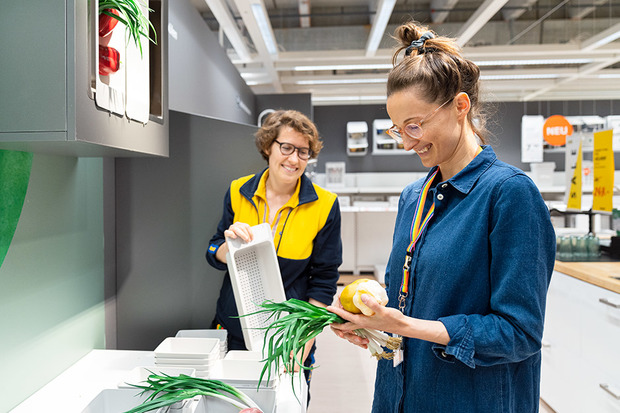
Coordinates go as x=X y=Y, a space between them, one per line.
x=438 y=70
x=273 y=123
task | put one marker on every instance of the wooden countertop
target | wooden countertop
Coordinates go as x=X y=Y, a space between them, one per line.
x=596 y=273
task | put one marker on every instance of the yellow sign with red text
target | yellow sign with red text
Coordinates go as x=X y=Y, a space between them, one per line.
x=603 y=171
x=556 y=129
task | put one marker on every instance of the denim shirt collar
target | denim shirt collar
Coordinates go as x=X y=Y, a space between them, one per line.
x=465 y=180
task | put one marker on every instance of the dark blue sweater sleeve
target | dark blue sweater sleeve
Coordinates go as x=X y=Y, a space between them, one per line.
x=218 y=238
x=326 y=258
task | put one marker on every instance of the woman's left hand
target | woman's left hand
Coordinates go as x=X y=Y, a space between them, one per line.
x=384 y=318
x=390 y=320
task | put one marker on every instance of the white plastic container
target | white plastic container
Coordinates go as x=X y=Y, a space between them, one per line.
x=220 y=334
x=244 y=374
x=139 y=375
x=244 y=355
x=542 y=173
x=264 y=398
x=188 y=348
x=122 y=400
x=255 y=277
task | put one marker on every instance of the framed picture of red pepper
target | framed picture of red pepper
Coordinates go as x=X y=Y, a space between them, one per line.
x=124 y=31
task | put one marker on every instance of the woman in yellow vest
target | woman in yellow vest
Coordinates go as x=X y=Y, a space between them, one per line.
x=305 y=221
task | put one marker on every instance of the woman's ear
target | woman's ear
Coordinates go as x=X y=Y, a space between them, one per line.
x=463 y=104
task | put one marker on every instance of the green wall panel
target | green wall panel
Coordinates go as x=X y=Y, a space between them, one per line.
x=52 y=279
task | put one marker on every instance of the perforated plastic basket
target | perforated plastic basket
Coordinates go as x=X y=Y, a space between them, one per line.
x=255 y=277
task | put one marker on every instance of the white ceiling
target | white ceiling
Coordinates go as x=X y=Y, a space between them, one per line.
x=520 y=45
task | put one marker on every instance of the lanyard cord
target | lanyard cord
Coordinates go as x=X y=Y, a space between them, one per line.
x=418 y=225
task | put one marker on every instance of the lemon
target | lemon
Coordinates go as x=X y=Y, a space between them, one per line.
x=346 y=297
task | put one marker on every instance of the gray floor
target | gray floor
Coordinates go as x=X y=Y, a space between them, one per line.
x=344 y=378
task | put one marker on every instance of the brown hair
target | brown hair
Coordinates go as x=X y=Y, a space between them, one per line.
x=273 y=123
x=437 y=68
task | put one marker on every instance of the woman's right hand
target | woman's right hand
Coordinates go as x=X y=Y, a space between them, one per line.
x=241 y=230
x=238 y=229
x=349 y=335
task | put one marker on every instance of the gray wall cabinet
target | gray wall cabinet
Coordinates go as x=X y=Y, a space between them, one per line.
x=47 y=67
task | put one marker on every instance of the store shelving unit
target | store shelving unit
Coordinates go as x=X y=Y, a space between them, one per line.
x=357 y=138
x=382 y=144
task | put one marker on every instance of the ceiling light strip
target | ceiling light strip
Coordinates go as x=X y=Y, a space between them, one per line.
x=258 y=10
x=506 y=62
x=382 y=17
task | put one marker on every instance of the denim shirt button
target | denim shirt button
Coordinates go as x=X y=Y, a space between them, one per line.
x=440 y=197
x=444 y=186
x=443 y=354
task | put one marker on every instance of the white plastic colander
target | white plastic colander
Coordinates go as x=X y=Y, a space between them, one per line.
x=255 y=277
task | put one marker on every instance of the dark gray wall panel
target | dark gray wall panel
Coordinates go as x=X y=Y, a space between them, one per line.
x=166 y=211
x=504 y=124
x=202 y=79
x=301 y=102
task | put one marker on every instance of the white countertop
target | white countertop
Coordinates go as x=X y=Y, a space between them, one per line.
x=76 y=387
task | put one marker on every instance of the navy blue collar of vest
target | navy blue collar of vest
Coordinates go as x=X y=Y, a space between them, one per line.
x=307 y=193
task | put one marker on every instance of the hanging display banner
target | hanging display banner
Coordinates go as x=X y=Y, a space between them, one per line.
x=573 y=172
x=603 y=171
x=556 y=129
x=531 y=138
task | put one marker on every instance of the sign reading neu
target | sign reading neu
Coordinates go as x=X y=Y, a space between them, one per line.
x=556 y=129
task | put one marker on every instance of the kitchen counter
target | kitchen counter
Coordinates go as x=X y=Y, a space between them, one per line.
x=75 y=388
x=597 y=273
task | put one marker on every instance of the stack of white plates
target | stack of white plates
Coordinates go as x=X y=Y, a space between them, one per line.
x=220 y=334
x=200 y=354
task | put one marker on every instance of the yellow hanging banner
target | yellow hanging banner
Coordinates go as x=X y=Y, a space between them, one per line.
x=574 y=195
x=603 y=171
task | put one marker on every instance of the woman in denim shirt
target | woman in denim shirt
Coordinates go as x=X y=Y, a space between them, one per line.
x=471 y=306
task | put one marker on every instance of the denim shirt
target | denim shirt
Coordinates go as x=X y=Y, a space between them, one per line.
x=482 y=267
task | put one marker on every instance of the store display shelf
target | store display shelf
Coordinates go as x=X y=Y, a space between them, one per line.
x=368 y=190
x=368 y=209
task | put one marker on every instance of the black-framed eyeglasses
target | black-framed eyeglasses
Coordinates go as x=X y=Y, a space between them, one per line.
x=287 y=149
x=413 y=130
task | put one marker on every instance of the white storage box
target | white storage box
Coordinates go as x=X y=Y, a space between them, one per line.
x=264 y=398
x=244 y=374
x=189 y=348
x=122 y=400
x=255 y=277
x=201 y=354
x=220 y=334
x=244 y=355
x=139 y=375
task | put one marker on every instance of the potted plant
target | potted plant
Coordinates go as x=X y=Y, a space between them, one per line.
x=130 y=14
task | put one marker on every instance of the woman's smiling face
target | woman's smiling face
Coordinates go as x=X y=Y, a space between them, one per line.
x=441 y=130
x=287 y=169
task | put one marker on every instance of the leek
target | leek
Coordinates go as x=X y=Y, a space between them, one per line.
x=287 y=334
x=166 y=390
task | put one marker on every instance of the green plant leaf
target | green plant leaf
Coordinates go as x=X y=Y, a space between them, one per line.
x=14 y=177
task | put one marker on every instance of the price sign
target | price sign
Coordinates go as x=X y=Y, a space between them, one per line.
x=573 y=173
x=603 y=171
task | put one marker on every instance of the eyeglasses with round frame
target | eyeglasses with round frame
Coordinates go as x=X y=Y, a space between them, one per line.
x=413 y=130
x=287 y=149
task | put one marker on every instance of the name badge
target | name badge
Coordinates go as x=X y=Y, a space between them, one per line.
x=398 y=353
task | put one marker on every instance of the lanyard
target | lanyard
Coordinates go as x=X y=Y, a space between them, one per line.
x=417 y=227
